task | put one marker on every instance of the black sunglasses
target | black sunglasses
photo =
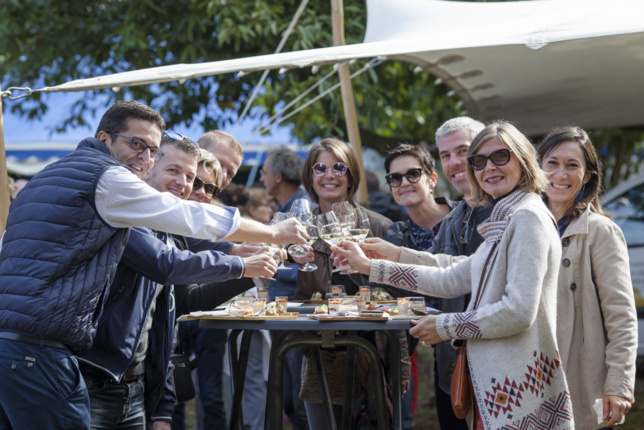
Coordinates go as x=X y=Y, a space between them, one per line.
x=338 y=169
x=140 y=146
x=500 y=157
x=210 y=189
x=412 y=175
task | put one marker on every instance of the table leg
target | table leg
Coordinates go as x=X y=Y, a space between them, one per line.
x=396 y=380
x=238 y=375
x=274 y=406
x=324 y=388
x=274 y=401
x=348 y=388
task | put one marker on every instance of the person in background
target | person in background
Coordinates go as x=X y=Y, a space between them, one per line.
x=258 y=206
x=596 y=315
x=412 y=178
x=281 y=174
x=510 y=327
x=331 y=175
x=383 y=202
x=458 y=235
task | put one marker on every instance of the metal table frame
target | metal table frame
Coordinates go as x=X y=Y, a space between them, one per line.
x=316 y=334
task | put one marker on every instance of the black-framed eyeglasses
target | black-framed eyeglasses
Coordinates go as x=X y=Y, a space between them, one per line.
x=413 y=175
x=140 y=146
x=338 y=169
x=500 y=157
x=211 y=190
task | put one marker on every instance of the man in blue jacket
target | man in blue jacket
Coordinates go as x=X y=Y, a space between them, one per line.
x=65 y=234
x=127 y=369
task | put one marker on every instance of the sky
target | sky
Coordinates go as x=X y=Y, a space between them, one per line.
x=18 y=129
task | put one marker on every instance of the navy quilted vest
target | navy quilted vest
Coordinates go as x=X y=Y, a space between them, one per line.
x=58 y=256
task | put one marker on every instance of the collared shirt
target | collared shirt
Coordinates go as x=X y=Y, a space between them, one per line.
x=123 y=200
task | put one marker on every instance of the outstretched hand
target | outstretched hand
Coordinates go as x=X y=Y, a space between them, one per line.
x=348 y=253
x=379 y=249
x=289 y=231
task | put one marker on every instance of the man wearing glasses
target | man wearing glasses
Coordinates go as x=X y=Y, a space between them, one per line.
x=65 y=234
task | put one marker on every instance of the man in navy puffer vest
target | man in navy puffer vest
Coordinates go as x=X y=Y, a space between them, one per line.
x=65 y=235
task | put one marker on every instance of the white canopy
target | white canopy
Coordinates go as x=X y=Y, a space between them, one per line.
x=538 y=63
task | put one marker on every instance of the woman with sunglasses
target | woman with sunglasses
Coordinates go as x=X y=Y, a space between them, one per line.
x=331 y=175
x=517 y=377
x=596 y=315
x=207 y=184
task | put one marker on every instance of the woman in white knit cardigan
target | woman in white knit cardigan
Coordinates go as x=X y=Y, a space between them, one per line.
x=516 y=372
x=596 y=316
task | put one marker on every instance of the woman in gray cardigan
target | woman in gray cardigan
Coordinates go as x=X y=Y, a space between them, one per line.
x=596 y=316
x=518 y=380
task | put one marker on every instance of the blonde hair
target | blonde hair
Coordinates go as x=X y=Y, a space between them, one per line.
x=342 y=152
x=210 y=163
x=533 y=179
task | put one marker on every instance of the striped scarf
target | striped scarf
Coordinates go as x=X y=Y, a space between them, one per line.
x=492 y=228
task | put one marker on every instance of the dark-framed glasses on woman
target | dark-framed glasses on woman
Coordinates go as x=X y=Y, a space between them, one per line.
x=209 y=189
x=412 y=175
x=500 y=157
x=338 y=169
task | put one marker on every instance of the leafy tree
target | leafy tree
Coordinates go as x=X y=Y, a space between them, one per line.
x=49 y=42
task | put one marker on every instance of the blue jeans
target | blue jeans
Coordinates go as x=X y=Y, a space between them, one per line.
x=115 y=406
x=41 y=388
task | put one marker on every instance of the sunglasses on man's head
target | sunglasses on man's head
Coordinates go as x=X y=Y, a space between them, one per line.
x=413 y=176
x=209 y=189
x=338 y=169
x=500 y=157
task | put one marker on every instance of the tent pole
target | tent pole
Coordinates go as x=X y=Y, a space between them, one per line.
x=4 y=177
x=348 y=102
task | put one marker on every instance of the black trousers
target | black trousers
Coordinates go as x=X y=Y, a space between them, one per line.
x=446 y=417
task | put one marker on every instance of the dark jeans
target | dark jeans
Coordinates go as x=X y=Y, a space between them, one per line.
x=40 y=388
x=115 y=405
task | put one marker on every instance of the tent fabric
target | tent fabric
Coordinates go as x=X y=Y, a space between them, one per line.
x=537 y=63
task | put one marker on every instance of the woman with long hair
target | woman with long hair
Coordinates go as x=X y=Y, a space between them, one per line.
x=331 y=174
x=509 y=325
x=596 y=315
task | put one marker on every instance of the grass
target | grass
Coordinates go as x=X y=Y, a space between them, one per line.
x=426 y=414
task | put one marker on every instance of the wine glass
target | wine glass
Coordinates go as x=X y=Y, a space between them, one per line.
x=330 y=230
x=346 y=215
x=312 y=230
x=277 y=218
x=362 y=225
x=301 y=211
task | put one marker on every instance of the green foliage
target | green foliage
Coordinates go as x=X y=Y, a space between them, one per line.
x=55 y=41
x=49 y=42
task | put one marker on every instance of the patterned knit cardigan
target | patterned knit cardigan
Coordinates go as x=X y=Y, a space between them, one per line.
x=517 y=375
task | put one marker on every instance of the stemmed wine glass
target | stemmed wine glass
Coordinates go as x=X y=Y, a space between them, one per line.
x=346 y=215
x=362 y=225
x=330 y=229
x=277 y=218
x=312 y=229
x=301 y=211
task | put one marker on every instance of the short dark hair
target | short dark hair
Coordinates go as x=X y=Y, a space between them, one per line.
x=420 y=153
x=115 y=119
x=373 y=185
x=288 y=164
x=186 y=145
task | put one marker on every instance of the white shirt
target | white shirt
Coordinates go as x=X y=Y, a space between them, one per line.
x=123 y=200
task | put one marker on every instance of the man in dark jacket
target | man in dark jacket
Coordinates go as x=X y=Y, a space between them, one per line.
x=457 y=236
x=127 y=369
x=65 y=234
